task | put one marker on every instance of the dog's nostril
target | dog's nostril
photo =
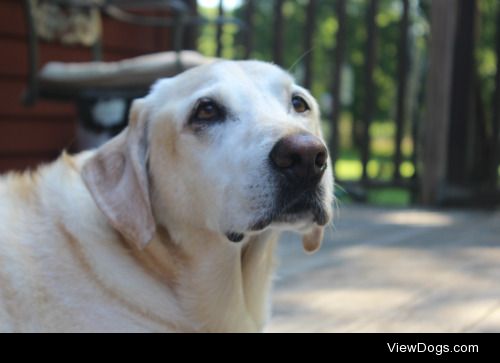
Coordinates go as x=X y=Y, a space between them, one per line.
x=284 y=160
x=321 y=160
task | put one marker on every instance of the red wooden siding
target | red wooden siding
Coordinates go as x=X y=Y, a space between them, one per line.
x=36 y=134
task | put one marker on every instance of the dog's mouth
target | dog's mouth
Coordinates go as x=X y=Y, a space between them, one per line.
x=294 y=210
x=307 y=206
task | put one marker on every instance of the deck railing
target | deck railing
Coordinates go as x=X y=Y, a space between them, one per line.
x=403 y=119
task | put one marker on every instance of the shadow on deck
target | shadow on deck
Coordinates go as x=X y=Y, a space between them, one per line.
x=393 y=270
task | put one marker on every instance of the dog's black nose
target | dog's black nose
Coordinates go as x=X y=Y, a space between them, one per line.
x=302 y=158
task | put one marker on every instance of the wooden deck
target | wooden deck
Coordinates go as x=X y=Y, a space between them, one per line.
x=387 y=270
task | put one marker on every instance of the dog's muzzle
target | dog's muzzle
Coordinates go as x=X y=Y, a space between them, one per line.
x=299 y=162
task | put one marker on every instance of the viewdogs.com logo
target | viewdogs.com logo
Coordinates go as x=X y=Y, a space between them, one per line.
x=437 y=349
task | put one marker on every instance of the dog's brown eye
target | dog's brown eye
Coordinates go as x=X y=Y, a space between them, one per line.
x=299 y=105
x=207 y=110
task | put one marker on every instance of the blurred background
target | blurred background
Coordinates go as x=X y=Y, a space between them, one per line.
x=410 y=99
x=408 y=88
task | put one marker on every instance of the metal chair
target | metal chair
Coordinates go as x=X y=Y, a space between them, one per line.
x=102 y=91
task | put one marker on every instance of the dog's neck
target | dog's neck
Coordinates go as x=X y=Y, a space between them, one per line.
x=223 y=286
x=194 y=279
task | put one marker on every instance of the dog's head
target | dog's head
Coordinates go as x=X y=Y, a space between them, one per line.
x=232 y=148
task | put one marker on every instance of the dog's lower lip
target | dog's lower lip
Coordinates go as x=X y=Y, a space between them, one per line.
x=306 y=205
x=319 y=214
x=321 y=218
x=260 y=225
x=235 y=236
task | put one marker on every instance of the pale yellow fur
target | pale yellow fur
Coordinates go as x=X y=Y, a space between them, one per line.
x=66 y=266
x=52 y=280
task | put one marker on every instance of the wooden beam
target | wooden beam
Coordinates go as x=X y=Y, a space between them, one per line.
x=190 y=36
x=337 y=78
x=496 y=114
x=219 y=29
x=249 y=28
x=278 y=32
x=462 y=128
x=308 y=42
x=403 y=68
x=369 y=99
x=436 y=120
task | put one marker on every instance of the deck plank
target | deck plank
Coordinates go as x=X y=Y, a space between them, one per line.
x=384 y=270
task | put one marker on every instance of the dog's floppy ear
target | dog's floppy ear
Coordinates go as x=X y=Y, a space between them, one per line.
x=116 y=176
x=312 y=241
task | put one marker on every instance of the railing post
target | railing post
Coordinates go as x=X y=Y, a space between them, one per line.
x=337 y=79
x=278 y=32
x=438 y=97
x=416 y=122
x=308 y=42
x=369 y=99
x=219 y=28
x=31 y=94
x=402 y=88
x=496 y=114
x=190 y=35
x=463 y=164
x=249 y=28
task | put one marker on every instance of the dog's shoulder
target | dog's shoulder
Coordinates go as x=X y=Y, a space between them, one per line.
x=43 y=195
x=23 y=185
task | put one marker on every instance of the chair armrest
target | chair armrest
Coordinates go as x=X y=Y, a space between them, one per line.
x=121 y=10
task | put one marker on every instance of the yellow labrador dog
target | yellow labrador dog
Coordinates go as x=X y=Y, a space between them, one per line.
x=171 y=225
